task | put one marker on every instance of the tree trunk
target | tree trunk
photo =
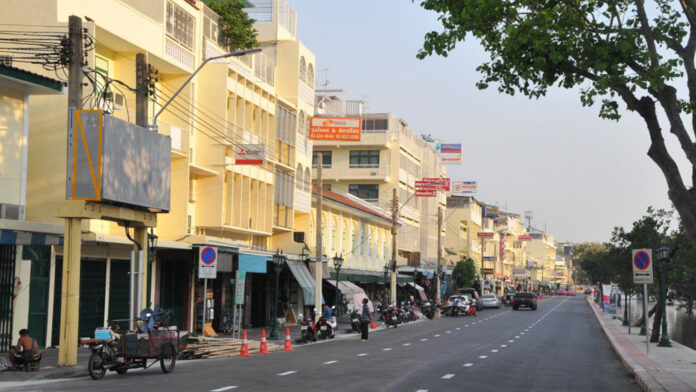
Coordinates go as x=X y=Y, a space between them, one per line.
x=655 y=335
x=639 y=322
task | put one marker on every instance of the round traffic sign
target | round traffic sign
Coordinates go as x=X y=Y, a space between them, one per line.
x=208 y=256
x=641 y=260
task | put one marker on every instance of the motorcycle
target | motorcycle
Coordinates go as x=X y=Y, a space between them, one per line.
x=400 y=315
x=389 y=317
x=327 y=328
x=428 y=310
x=355 y=320
x=309 y=331
x=410 y=312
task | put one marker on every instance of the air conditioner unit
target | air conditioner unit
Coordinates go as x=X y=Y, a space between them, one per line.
x=11 y=211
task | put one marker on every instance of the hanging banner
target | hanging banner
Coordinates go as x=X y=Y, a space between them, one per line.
x=606 y=297
x=450 y=153
x=463 y=188
x=335 y=128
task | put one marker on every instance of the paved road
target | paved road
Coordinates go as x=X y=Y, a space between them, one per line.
x=556 y=348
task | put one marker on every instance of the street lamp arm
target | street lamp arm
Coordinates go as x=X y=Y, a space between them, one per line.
x=187 y=81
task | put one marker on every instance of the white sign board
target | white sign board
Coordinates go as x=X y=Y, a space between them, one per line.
x=207 y=262
x=642 y=266
x=240 y=282
x=463 y=188
x=250 y=154
x=450 y=153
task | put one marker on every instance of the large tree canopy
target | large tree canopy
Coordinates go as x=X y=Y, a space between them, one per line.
x=631 y=51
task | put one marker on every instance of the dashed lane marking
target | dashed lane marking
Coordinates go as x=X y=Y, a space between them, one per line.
x=362 y=354
x=511 y=341
x=517 y=337
x=494 y=351
x=448 y=332
x=437 y=336
x=289 y=372
x=329 y=362
x=503 y=345
x=447 y=376
x=483 y=356
x=422 y=390
x=458 y=328
x=468 y=364
x=521 y=333
x=386 y=349
x=424 y=340
x=407 y=344
x=227 y=388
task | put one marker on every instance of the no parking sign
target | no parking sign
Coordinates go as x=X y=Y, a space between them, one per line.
x=642 y=266
x=207 y=262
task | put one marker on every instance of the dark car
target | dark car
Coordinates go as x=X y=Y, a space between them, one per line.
x=473 y=294
x=527 y=300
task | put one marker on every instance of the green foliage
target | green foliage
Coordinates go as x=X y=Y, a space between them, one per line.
x=238 y=28
x=464 y=273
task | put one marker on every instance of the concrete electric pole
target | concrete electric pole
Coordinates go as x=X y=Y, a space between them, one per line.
x=395 y=219
x=318 y=266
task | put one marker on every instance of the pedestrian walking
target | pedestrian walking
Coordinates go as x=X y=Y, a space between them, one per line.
x=366 y=319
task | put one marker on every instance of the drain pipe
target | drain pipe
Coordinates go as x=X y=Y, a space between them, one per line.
x=132 y=276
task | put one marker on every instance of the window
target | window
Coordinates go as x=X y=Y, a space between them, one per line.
x=367 y=158
x=375 y=124
x=299 y=183
x=303 y=69
x=326 y=159
x=307 y=179
x=179 y=25
x=364 y=191
x=310 y=76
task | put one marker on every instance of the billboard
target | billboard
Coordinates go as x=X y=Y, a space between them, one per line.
x=426 y=193
x=463 y=188
x=437 y=184
x=491 y=211
x=335 y=129
x=249 y=154
x=450 y=153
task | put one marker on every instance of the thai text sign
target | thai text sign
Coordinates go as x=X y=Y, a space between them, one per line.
x=525 y=238
x=249 y=154
x=438 y=184
x=426 y=193
x=450 y=153
x=485 y=235
x=335 y=128
x=491 y=211
x=463 y=188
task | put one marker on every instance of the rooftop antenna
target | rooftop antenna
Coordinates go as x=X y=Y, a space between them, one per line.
x=325 y=83
x=528 y=215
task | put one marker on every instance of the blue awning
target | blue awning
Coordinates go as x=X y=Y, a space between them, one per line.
x=253 y=263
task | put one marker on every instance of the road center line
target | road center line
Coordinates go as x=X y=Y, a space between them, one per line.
x=468 y=364
x=329 y=362
x=362 y=354
x=511 y=341
x=424 y=340
x=448 y=332
x=503 y=345
x=458 y=328
x=437 y=336
x=422 y=390
x=386 y=349
x=494 y=351
x=517 y=337
x=224 y=388
x=483 y=356
x=407 y=344
x=287 y=373
x=448 y=376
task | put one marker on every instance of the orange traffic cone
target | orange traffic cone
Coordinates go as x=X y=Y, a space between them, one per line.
x=288 y=342
x=263 y=349
x=245 y=346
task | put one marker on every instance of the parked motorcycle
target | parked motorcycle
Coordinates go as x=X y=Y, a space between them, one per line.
x=355 y=320
x=327 y=328
x=400 y=315
x=389 y=317
x=428 y=310
x=308 y=330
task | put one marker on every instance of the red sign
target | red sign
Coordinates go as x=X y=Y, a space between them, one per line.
x=426 y=193
x=502 y=247
x=525 y=238
x=438 y=184
x=335 y=128
x=485 y=235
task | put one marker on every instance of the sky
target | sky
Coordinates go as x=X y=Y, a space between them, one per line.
x=580 y=175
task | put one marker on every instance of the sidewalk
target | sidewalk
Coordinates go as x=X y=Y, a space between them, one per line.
x=670 y=369
x=49 y=367
x=342 y=330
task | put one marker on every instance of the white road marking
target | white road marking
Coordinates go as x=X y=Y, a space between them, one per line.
x=407 y=344
x=521 y=333
x=422 y=390
x=437 y=336
x=424 y=340
x=362 y=354
x=503 y=345
x=386 y=349
x=448 y=376
x=329 y=362
x=511 y=341
x=458 y=328
x=517 y=337
x=468 y=364
x=494 y=351
x=448 y=332
x=287 y=373
x=224 y=388
x=483 y=356
x=466 y=325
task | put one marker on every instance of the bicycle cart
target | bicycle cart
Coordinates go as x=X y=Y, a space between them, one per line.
x=132 y=351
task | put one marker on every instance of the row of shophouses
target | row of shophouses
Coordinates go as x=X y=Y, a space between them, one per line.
x=248 y=212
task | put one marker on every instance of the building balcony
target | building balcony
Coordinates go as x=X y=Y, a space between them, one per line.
x=354 y=172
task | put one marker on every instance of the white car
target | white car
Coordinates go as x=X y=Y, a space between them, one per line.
x=491 y=301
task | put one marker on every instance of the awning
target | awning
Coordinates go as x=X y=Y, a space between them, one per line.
x=347 y=288
x=305 y=279
x=324 y=270
x=421 y=291
x=253 y=263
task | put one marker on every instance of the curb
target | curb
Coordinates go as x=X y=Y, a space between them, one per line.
x=641 y=375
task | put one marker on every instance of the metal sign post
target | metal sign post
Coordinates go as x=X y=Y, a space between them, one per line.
x=643 y=274
x=207 y=269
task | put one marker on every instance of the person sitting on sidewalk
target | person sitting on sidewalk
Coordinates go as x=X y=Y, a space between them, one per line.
x=26 y=352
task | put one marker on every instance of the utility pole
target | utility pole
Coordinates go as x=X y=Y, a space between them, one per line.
x=140 y=232
x=141 y=90
x=70 y=290
x=318 y=266
x=438 y=291
x=395 y=218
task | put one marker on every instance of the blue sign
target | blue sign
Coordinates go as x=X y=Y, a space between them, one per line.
x=491 y=211
x=642 y=260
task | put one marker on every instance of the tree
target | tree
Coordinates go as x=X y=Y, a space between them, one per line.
x=237 y=26
x=464 y=273
x=629 y=51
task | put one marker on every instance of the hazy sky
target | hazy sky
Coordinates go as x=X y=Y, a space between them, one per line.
x=580 y=175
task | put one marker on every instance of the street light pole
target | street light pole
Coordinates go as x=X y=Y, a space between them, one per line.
x=663 y=256
x=338 y=262
x=278 y=262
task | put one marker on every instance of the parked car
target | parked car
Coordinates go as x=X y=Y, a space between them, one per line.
x=561 y=292
x=474 y=295
x=491 y=301
x=526 y=300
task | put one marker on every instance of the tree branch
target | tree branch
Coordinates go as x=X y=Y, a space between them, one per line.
x=647 y=33
x=668 y=99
